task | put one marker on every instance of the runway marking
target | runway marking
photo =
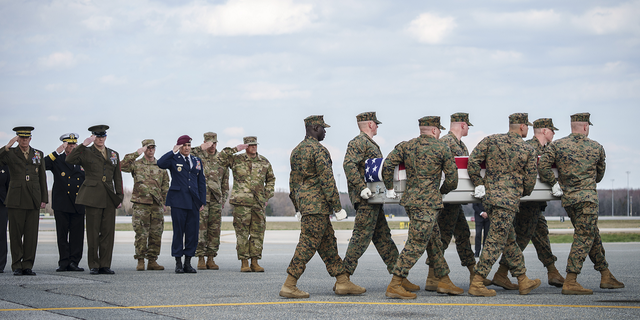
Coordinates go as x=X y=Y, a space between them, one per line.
x=335 y=302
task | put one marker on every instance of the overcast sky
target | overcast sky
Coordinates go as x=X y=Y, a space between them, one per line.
x=160 y=69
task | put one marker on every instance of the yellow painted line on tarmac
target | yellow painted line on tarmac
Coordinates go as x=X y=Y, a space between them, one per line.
x=335 y=302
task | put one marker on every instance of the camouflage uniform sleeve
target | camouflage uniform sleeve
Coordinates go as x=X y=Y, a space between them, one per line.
x=325 y=173
x=224 y=186
x=450 y=173
x=352 y=160
x=270 y=183
x=478 y=155
x=544 y=166
x=394 y=158
x=127 y=163
x=530 y=173
x=295 y=177
x=226 y=156
x=601 y=165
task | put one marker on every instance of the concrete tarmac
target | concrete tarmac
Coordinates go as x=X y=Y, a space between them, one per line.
x=228 y=293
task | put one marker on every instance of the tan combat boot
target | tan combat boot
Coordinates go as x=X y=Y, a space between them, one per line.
x=153 y=265
x=501 y=279
x=407 y=285
x=201 y=264
x=396 y=291
x=255 y=267
x=555 y=279
x=432 y=281
x=140 y=266
x=608 y=281
x=478 y=289
x=525 y=285
x=572 y=287
x=211 y=264
x=245 y=266
x=345 y=286
x=290 y=290
x=446 y=286
x=485 y=282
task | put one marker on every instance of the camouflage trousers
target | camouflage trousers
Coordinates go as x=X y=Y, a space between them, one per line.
x=501 y=240
x=531 y=225
x=148 y=223
x=316 y=235
x=370 y=225
x=452 y=222
x=422 y=227
x=249 y=223
x=209 y=235
x=586 y=237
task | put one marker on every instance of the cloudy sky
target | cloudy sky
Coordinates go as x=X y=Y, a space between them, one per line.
x=160 y=69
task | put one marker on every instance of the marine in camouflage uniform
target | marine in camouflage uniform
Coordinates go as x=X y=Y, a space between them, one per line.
x=253 y=186
x=217 y=191
x=510 y=174
x=315 y=196
x=425 y=159
x=370 y=223
x=150 y=186
x=581 y=165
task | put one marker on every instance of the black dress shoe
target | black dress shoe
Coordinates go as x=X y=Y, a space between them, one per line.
x=179 y=268
x=106 y=270
x=60 y=269
x=28 y=272
x=74 y=267
x=17 y=272
x=94 y=271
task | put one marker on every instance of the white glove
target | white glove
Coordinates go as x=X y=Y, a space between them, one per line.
x=556 y=190
x=298 y=216
x=391 y=194
x=365 y=193
x=479 y=192
x=341 y=215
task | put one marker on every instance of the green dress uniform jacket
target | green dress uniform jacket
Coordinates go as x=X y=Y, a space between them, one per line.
x=253 y=178
x=359 y=149
x=103 y=176
x=216 y=174
x=28 y=185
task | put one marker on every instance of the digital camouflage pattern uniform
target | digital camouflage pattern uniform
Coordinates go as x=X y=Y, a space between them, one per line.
x=314 y=194
x=510 y=174
x=253 y=186
x=370 y=223
x=150 y=187
x=581 y=165
x=425 y=159
x=217 y=191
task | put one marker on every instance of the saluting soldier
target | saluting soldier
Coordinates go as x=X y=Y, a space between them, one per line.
x=150 y=186
x=26 y=196
x=510 y=175
x=425 y=159
x=581 y=165
x=315 y=196
x=101 y=193
x=217 y=191
x=69 y=215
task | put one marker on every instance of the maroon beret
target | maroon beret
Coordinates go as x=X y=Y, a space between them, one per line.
x=184 y=139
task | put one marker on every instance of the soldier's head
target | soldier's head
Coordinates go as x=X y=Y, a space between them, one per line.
x=460 y=124
x=580 y=123
x=100 y=132
x=72 y=141
x=252 y=145
x=430 y=125
x=212 y=138
x=315 y=127
x=185 y=145
x=368 y=123
x=544 y=130
x=24 y=136
x=150 y=152
x=519 y=124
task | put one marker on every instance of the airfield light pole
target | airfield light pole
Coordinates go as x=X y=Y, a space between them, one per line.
x=612 y=197
x=628 y=172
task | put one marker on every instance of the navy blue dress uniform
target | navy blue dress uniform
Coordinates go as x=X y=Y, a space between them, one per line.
x=4 y=186
x=187 y=193
x=101 y=193
x=69 y=215
x=27 y=191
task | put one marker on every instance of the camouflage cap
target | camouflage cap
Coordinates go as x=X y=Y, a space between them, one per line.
x=252 y=140
x=431 y=121
x=99 y=130
x=519 y=118
x=461 y=117
x=211 y=136
x=24 y=131
x=315 y=120
x=69 y=137
x=148 y=142
x=581 y=117
x=368 y=116
x=544 y=123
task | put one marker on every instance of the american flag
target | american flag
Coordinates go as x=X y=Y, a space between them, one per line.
x=373 y=170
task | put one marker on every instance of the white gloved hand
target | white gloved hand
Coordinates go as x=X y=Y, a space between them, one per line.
x=556 y=190
x=298 y=216
x=341 y=215
x=391 y=194
x=365 y=193
x=479 y=192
